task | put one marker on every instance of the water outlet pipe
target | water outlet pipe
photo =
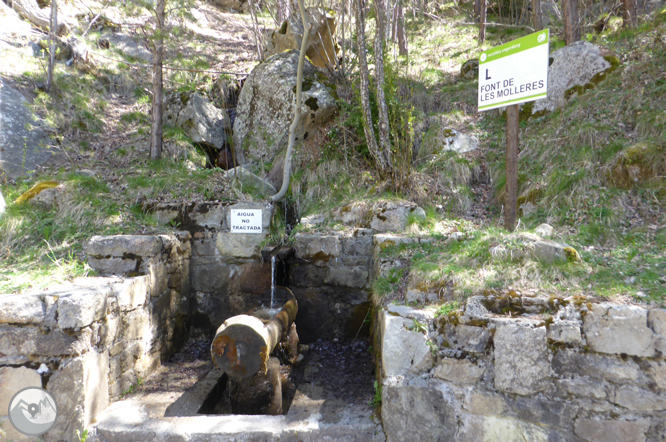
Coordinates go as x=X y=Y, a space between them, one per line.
x=243 y=343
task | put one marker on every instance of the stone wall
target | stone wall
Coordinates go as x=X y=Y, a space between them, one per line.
x=548 y=369
x=89 y=341
x=331 y=277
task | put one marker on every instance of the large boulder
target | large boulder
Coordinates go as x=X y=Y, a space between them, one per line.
x=322 y=49
x=204 y=123
x=23 y=142
x=575 y=69
x=266 y=107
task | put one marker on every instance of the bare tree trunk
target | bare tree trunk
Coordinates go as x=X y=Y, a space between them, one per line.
x=537 y=17
x=158 y=104
x=482 y=19
x=381 y=162
x=383 y=124
x=29 y=10
x=52 y=44
x=402 y=36
x=256 y=30
x=629 y=14
x=572 y=31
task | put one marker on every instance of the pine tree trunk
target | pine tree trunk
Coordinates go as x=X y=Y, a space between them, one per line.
x=572 y=32
x=158 y=104
x=537 y=17
x=52 y=44
x=629 y=14
x=482 y=20
x=380 y=162
x=402 y=36
x=383 y=124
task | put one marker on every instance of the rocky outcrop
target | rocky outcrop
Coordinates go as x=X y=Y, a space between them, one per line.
x=433 y=137
x=23 y=141
x=265 y=108
x=575 y=69
x=204 y=123
x=322 y=49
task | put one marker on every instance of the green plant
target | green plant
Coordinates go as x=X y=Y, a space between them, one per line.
x=418 y=326
x=447 y=308
x=82 y=436
x=433 y=347
x=377 y=398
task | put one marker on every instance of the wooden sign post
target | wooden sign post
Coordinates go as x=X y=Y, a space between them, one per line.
x=509 y=75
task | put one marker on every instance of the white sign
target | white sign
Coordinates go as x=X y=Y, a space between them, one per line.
x=515 y=72
x=246 y=220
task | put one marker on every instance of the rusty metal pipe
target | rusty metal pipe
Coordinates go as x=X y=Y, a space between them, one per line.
x=243 y=343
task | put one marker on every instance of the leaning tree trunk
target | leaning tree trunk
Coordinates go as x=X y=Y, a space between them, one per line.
x=158 y=86
x=629 y=13
x=537 y=17
x=52 y=44
x=572 y=31
x=381 y=162
x=29 y=10
x=383 y=124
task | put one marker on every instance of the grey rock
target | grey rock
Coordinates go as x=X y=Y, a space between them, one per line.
x=14 y=379
x=459 y=371
x=617 y=329
x=317 y=247
x=657 y=321
x=128 y=46
x=521 y=359
x=505 y=429
x=321 y=49
x=413 y=410
x=131 y=292
x=393 y=216
x=439 y=139
x=403 y=351
x=583 y=387
x=356 y=277
x=423 y=316
x=124 y=245
x=235 y=246
x=23 y=141
x=636 y=399
x=544 y=230
x=577 y=64
x=265 y=107
x=565 y=332
x=22 y=309
x=202 y=122
x=474 y=309
x=210 y=216
x=484 y=402
x=80 y=306
x=113 y=266
x=250 y=182
x=48 y=199
x=31 y=341
x=593 y=430
x=569 y=362
x=212 y=277
x=657 y=372
x=81 y=390
x=468 y=338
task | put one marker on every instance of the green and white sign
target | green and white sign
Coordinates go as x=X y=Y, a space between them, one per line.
x=515 y=72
